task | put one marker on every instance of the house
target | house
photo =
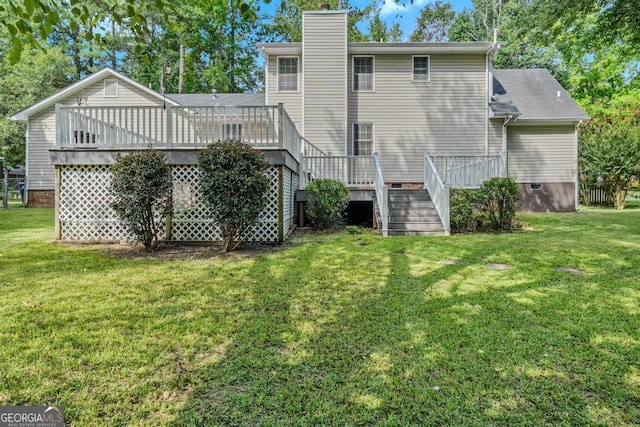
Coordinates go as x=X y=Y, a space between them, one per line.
x=391 y=120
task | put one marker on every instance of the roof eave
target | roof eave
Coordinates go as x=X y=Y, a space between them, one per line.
x=551 y=120
x=279 y=48
x=417 y=48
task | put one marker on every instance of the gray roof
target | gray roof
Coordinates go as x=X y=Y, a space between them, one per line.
x=533 y=93
x=207 y=99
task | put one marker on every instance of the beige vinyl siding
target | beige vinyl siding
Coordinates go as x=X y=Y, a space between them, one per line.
x=542 y=153
x=495 y=136
x=324 y=86
x=292 y=100
x=42 y=128
x=446 y=115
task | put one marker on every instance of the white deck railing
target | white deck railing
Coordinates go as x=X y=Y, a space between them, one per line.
x=382 y=196
x=353 y=171
x=438 y=190
x=468 y=171
x=264 y=127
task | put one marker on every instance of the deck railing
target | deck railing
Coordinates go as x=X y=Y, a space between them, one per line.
x=382 y=196
x=264 y=127
x=353 y=171
x=438 y=190
x=468 y=171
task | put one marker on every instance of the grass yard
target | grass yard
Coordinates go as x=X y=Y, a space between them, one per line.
x=330 y=329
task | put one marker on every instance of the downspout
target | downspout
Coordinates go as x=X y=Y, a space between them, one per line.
x=577 y=192
x=25 y=200
x=504 y=145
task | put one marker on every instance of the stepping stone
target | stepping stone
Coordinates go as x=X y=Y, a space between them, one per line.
x=498 y=266
x=450 y=261
x=571 y=270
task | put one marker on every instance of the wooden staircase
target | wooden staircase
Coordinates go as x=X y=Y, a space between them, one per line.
x=412 y=213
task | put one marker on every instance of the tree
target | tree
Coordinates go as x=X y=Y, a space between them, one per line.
x=378 y=30
x=609 y=148
x=434 y=23
x=142 y=188
x=286 y=25
x=234 y=186
x=38 y=75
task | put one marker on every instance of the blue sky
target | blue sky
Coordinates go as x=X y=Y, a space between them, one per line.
x=404 y=11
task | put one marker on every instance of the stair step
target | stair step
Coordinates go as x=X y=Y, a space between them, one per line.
x=415 y=233
x=409 y=198
x=412 y=210
x=416 y=226
x=431 y=217
x=403 y=204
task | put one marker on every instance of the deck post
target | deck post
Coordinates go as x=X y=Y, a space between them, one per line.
x=169 y=114
x=280 y=125
x=58 y=179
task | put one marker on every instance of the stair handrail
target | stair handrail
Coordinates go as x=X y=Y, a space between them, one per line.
x=382 y=196
x=438 y=191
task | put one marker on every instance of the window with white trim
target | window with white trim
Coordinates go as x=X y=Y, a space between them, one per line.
x=421 y=69
x=362 y=139
x=288 y=74
x=363 y=69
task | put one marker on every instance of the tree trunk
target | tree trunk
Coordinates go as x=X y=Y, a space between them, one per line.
x=181 y=69
x=5 y=187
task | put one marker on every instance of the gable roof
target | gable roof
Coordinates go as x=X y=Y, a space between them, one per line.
x=77 y=86
x=226 y=99
x=535 y=94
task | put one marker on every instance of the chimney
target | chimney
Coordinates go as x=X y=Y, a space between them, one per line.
x=325 y=6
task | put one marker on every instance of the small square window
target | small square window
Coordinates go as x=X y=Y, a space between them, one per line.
x=421 y=69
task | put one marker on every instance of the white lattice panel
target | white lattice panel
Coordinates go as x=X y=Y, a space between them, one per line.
x=85 y=212
x=294 y=190
x=191 y=221
x=286 y=193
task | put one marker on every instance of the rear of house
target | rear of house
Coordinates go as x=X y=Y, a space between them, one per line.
x=381 y=117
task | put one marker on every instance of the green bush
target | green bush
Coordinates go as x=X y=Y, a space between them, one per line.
x=142 y=188
x=463 y=214
x=234 y=186
x=498 y=198
x=327 y=200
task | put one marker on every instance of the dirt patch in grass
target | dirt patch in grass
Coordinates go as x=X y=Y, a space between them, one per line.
x=171 y=252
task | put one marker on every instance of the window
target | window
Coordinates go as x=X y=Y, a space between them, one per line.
x=110 y=88
x=363 y=73
x=362 y=139
x=420 y=68
x=287 y=74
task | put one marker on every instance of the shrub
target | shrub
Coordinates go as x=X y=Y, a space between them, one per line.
x=141 y=185
x=498 y=198
x=234 y=186
x=463 y=214
x=327 y=200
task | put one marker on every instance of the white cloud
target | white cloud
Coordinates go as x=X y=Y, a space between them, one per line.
x=401 y=6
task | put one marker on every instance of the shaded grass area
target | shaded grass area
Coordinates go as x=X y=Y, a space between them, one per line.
x=330 y=329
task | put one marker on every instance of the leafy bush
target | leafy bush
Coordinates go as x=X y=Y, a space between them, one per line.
x=609 y=147
x=463 y=214
x=327 y=200
x=142 y=187
x=234 y=185
x=498 y=198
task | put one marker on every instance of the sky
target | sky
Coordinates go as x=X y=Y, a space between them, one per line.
x=404 y=12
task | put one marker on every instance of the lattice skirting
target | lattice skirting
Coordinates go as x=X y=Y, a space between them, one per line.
x=85 y=214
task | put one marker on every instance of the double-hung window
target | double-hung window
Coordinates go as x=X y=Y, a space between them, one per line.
x=362 y=139
x=288 y=74
x=363 y=71
x=421 y=69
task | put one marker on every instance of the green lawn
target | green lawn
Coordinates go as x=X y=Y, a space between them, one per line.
x=330 y=329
